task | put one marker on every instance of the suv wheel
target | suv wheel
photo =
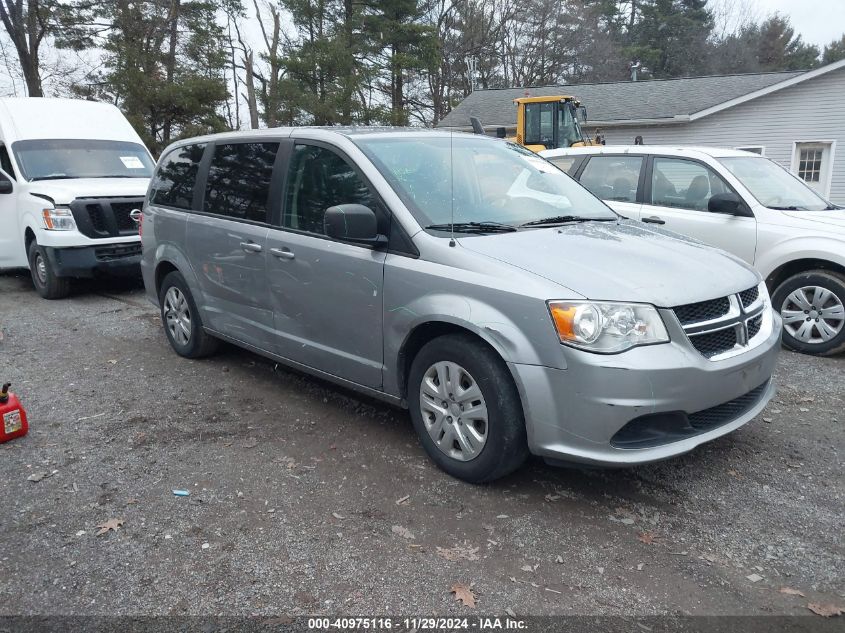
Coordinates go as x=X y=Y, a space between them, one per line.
x=44 y=278
x=181 y=319
x=812 y=305
x=466 y=409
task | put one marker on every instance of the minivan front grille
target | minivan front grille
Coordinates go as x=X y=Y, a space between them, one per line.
x=722 y=327
x=716 y=342
x=702 y=311
x=105 y=217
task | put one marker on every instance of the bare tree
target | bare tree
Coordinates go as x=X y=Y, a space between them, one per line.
x=26 y=22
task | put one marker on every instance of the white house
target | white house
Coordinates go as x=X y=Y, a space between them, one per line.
x=794 y=118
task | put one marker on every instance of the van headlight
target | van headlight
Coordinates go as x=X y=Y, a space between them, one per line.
x=607 y=328
x=59 y=219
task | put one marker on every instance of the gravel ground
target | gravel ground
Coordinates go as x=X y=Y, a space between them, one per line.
x=308 y=499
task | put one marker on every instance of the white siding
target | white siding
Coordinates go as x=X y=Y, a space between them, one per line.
x=810 y=111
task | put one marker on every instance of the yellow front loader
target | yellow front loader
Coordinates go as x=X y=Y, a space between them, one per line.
x=550 y=122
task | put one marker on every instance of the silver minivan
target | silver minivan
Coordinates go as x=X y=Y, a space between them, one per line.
x=465 y=278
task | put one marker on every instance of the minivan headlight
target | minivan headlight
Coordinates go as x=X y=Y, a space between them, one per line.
x=607 y=328
x=60 y=219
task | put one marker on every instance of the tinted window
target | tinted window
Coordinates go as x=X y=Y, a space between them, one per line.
x=173 y=184
x=684 y=184
x=613 y=177
x=318 y=179
x=239 y=180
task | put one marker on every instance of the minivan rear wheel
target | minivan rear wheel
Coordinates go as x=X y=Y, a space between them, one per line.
x=181 y=319
x=466 y=409
x=812 y=305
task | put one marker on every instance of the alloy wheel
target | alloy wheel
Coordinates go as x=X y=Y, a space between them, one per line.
x=177 y=315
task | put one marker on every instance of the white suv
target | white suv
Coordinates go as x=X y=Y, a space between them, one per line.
x=743 y=203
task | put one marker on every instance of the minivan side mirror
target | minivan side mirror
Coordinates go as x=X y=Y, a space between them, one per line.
x=5 y=184
x=728 y=203
x=352 y=223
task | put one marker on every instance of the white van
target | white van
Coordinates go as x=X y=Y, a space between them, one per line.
x=71 y=174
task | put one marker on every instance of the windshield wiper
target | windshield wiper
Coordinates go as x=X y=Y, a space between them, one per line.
x=117 y=176
x=473 y=227
x=53 y=177
x=789 y=208
x=563 y=219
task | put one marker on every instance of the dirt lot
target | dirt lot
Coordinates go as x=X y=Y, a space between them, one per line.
x=308 y=499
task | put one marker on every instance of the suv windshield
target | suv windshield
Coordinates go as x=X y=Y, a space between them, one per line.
x=772 y=185
x=66 y=158
x=482 y=179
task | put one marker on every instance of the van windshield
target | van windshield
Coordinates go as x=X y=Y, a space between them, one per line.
x=772 y=185
x=57 y=159
x=483 y=180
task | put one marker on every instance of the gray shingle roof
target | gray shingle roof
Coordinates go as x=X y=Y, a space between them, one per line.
x=626 y=100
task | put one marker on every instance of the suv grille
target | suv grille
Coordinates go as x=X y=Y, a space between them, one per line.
x=105 y=217
x=702 y=311
x=721 y=326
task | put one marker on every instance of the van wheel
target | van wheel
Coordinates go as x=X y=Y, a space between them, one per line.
x=181 y=319
x=44 y=278
x=466 y=409
x=812 y=305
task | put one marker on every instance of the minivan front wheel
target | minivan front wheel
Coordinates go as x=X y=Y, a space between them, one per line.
x=812 y=305
x=181 y=319
x=466 y=409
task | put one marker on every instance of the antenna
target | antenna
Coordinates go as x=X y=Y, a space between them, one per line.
x=452 y=187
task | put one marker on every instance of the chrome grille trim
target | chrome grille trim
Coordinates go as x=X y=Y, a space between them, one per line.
x=751 y=324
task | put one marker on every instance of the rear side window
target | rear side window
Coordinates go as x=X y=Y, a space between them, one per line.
x=563 y=163
x=319 y=179
x=174 y=181
x=239 y=180
x=613 y=177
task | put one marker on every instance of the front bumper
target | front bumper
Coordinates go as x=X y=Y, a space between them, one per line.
x=121 y=259
x=573 y=414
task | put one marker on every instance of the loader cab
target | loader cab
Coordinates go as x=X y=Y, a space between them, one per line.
x=550 y=122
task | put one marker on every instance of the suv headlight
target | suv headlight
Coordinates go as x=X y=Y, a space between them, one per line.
x=59 y=219
x=607 y=328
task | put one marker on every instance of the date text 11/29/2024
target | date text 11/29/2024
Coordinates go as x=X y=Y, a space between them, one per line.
x=481 y=623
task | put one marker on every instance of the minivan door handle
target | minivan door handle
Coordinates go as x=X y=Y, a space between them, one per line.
x=654 y=220
x=282 y=253
x=251 y=247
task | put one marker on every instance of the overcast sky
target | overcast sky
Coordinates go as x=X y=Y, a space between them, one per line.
x=818 y=21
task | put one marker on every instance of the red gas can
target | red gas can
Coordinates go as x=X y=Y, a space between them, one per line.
x=12 y=415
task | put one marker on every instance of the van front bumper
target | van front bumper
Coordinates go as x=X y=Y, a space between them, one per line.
x=644 y=405
x=122 y=259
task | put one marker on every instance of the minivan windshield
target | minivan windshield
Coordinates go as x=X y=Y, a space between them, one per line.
x=772 y=185
x=475 y=180
x=58 y=159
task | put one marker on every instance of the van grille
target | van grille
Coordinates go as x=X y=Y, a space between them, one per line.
x=105 y=217
x=723 y=326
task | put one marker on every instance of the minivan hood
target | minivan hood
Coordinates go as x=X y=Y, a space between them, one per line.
x=834 y=217
x=65 y=191
x=605 y=261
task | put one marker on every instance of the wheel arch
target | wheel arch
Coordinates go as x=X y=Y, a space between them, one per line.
x=798 y=266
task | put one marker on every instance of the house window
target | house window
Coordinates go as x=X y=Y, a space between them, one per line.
x=756 y=149
x=812 y=162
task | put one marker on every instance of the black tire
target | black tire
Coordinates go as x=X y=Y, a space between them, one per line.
x=832 y=281
x=44 y=278
x=506 y=446
x=199 y=343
